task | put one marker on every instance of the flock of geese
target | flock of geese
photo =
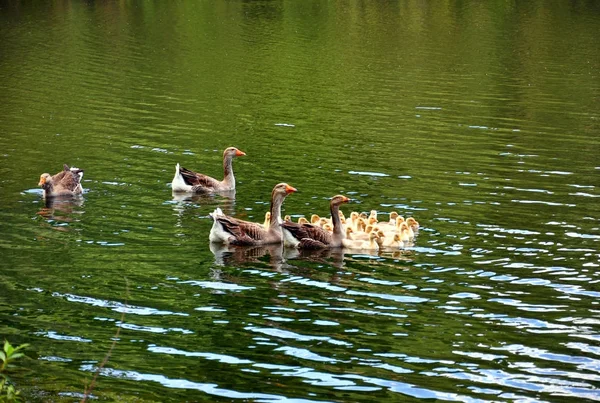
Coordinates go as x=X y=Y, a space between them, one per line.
x=358 y=231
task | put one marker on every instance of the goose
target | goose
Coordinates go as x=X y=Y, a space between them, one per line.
x=361 y=225
x=412 y=222
x=65 y=183
x=190 y=181
x=411 y=226
x=373 y=214
x=230 y=230
x=389 y=226
x=323 y=222
x=354 y=220
x=308 y=236
x=372 y=220
x=380 y=237
x=393 y=242
x=405 y=232
x=349 y=233
x=303 y=220
x=370 y=244
x=362 y=234
x=267 y=220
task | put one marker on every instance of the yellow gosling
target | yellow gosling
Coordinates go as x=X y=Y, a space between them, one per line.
x=399 y=222
x=267 y=222
x=404 y=232
x=349 y=233
x=370 y=244
x=414 y=224
x=393 y=242
x=380 y=238
x=354 y=220
x=323 y=221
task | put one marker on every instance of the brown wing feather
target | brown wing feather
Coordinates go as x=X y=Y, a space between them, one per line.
x=60 y=176
x=303 y=231
x=197 y=180
x=69 y=182
x=244 y=232
x=308 y=243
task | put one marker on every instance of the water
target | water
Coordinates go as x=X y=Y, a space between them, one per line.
x=479 y=119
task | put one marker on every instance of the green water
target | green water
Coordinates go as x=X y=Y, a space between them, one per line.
x=481 y=119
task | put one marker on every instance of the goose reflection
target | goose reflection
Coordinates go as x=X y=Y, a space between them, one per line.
x=328 y=256
x=197 y=197
x=223 y=199
x=277 y=255
x=227 y=255
x=63 y=209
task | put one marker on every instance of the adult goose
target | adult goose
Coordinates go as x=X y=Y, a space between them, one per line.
x=186 y=180
x=65 y=183
x=230 y=230
x=309 y=236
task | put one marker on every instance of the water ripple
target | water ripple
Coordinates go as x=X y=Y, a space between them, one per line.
x=286 y=334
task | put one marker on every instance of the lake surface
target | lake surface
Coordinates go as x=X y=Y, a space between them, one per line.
x=480 y=119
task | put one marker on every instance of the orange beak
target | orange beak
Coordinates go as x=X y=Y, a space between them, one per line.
x=42 y=181
x=289 y=189
x=345 y=199
x=239 y=153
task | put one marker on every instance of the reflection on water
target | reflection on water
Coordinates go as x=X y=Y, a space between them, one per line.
x=232 y=254
x=478 y=118
x=277 y=256
x=200 y=197
x=59 y=212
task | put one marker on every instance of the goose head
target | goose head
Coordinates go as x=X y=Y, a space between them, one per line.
x=338 y=200
x=233 y=152
x=373 y=237
x=283 y=189
x=412 y=222
x=45 y=180
x=380 y=237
